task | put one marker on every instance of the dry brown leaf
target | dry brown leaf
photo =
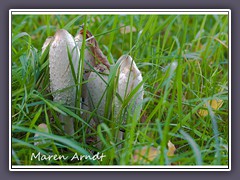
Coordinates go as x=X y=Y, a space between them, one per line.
x=215 y=104
x=127 y=29
x=96 y=51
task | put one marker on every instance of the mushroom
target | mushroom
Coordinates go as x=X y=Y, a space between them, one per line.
x=37 y=138
x=62 y=83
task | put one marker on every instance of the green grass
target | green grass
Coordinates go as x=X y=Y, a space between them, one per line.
x=172 y=97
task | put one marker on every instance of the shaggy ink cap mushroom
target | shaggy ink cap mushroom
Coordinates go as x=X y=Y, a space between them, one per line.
x=62 y=82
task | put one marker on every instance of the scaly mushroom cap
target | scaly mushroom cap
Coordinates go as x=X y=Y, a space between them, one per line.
x=128 y=70
x=129 y=78
x=60 y=70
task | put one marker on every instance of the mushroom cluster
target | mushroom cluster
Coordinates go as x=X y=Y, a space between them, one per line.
x=96 y=73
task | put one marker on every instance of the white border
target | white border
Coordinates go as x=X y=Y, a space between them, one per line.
x=120 y=168
x=230 y=89
x=118 y=11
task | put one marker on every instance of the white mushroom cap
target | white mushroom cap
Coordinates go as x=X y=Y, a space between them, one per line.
x=128 y=68
x=60 y=70
x=129 y=78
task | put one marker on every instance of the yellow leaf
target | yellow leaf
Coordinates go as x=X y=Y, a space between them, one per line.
x=215 y=104
x=171 y=149
x=145 y=154
x=148 y=154
x=203 y=112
